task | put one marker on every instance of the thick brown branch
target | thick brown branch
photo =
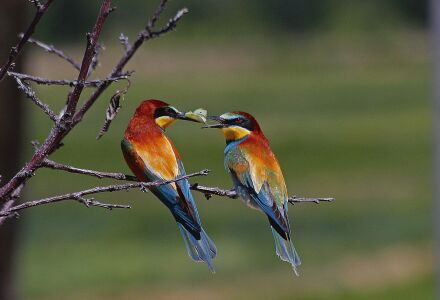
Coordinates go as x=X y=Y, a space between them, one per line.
x=64 y=123
x=92 y=43
x=41 y=10
x=52 y=49
x=86 y=83
x=79 y=196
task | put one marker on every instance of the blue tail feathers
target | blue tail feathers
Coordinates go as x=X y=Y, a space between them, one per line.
x=199 y=250
x=286 y=251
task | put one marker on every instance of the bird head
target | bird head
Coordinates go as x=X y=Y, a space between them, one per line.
x=235 y=125
x=163 y=113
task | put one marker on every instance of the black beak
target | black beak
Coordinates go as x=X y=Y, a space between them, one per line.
x=219 y=125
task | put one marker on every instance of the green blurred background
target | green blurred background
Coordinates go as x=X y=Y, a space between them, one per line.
x=341 y=89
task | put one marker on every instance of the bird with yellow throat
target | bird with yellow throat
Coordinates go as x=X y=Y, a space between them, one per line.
x=257 y=176
x=152 y=156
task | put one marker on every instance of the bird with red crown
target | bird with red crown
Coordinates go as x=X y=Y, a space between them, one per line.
x=152 y=156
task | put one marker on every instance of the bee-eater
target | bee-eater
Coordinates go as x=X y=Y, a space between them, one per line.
x=152 y=156
x=257 y=176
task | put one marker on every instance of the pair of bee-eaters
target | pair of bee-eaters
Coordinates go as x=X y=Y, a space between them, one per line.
x=255 y=173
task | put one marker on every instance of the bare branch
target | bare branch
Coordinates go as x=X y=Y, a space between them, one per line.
x=172 y=23
x=156 y=15
x=15 y=50
x=87 y=83
x=79 y=196
x=64 y=124
x=52 y=49
x=300 y=199
x=30 y=93
x=93 y=202
x=142 y=37
x=57 y=166
x=92 y=42
x=207 y=191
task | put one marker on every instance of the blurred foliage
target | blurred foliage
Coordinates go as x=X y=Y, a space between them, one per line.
x=68 y=20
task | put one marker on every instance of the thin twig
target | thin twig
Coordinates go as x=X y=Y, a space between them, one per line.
x=209 y=191
x=79 y=196
x=124 y=41
x=171 y=25
x=52 y=49
x=15 y=50
x=30 y=93
x=86 y=83
x=95 y=60
x=156 y=15
x=63 y=167
x=300 y=199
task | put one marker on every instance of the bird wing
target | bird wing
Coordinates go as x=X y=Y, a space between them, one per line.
x=257 y=171
x=177 y=196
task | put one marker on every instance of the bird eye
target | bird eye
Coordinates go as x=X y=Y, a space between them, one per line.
x=169 y=111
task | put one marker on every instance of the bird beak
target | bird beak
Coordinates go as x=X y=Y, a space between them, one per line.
x=218 y=125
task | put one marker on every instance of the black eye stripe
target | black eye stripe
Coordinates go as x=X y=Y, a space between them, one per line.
x=164 y=111
x=242 y=122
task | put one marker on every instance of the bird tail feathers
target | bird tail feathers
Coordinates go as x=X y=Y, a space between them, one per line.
x=286 y=251
x=199 y=250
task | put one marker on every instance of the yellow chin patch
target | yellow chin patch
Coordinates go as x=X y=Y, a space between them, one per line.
x=234 y=133
x=164 y=121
